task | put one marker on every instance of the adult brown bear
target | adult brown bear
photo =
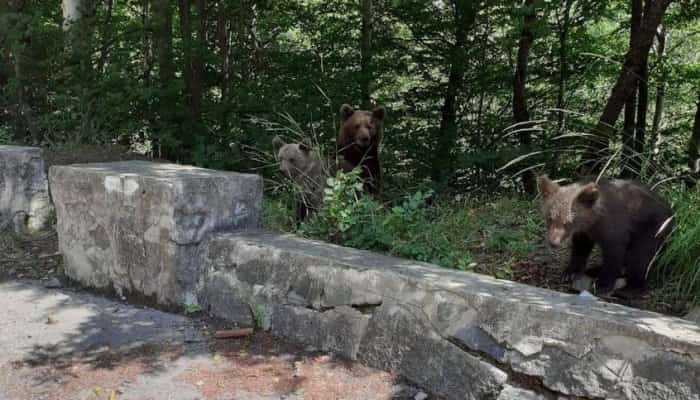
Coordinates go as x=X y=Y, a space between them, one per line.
x=359 y=142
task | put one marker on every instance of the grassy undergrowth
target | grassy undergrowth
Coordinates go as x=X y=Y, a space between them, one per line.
x=486 y=234
x=680 y=260
x=453 y=233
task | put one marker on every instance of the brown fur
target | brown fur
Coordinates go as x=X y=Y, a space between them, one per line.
x=303 y=166
x=359 y=142
x=623 y=217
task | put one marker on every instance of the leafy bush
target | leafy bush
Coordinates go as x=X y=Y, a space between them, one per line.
x=346 y=217
x=5 y=135
x=407 y=230
x=680 y=260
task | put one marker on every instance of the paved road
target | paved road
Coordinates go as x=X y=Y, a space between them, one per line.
x=63 y=344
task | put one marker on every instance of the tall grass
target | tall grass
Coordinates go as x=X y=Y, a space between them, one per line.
x=680 y=261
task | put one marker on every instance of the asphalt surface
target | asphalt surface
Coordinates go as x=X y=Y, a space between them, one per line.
x=59 y=343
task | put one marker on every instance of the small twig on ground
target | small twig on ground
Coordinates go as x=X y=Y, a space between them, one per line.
x=233 y=333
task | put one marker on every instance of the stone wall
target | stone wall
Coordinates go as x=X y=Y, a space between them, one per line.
x=186 y=236
x=24 y=191
x=459 y=335
x=135 y=226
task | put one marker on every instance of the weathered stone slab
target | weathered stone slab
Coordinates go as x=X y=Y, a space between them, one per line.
x=458 y=335
x=24 y=191
x=136 y=226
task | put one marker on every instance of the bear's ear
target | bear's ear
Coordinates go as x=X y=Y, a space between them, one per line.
x=588 y=195
x=546 y=186
x=277 y=143
x=346 y=111
x=304 y=147
x=378 y=113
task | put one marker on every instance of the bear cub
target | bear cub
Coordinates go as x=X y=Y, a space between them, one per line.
x=627 y=220
x=358 y=144
x=304 y=167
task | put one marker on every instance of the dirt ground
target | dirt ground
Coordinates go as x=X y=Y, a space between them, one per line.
x=60 y=343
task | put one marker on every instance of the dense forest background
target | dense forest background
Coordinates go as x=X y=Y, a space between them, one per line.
x=480 y=95
x=469 y=85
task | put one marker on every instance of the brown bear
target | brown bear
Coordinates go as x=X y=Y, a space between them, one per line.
x=359 y=143
x=304 y=166
x=627 y=220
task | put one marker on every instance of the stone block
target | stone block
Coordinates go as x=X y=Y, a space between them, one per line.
x=24 y=193
x=136 y=226
x=455 y=334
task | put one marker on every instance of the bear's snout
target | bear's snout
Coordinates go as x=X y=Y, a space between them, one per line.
x=363 y=140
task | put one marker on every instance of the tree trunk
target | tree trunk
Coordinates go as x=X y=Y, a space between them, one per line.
x=642 y=100
x=593 y=159
x=660 y=91
x=72 y=12
x=366 y=53
x=163 y=41
x=192 y=65
x=520 y=111
x=443 y=160
x=163 y=32
x=105 y=37
x=197 y=62
x=694 y=150
x=630 y=111
x=223 y=32
x=563 y=63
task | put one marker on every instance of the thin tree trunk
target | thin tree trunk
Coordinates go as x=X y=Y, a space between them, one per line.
x=624 y=87
x=520 y=112
x=224 y=38
x=104 y=51
x=642 y=101
x=147 y=45
x=197 y=62
x=187 y=42
x=4 y=54
x=563 y=63
x=163 y=32
x=163 y=40
x=660 y=91
x=630 y=111
x=366 y=53
x=443 y=160
x=694 y=150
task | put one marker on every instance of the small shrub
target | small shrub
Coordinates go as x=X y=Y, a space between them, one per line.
x=347 y=217
x=406 y=230
x=5 y=136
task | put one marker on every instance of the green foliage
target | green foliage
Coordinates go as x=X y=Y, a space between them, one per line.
x=348 y=218
x=5 y=136
x=451 y=234
x=259 y=315
x=192 y=309
x=680 y=259
x=441 y=234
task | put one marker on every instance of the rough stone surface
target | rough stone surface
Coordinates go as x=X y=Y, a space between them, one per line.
x=694 y=315
x=514 y=393
x=458 y=335
x=24 y=192
x=136 y=226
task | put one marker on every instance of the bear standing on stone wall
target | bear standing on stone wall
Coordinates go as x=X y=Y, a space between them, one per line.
x=359 y=143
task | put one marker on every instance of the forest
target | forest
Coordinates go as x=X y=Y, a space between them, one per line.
x=480 y=97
